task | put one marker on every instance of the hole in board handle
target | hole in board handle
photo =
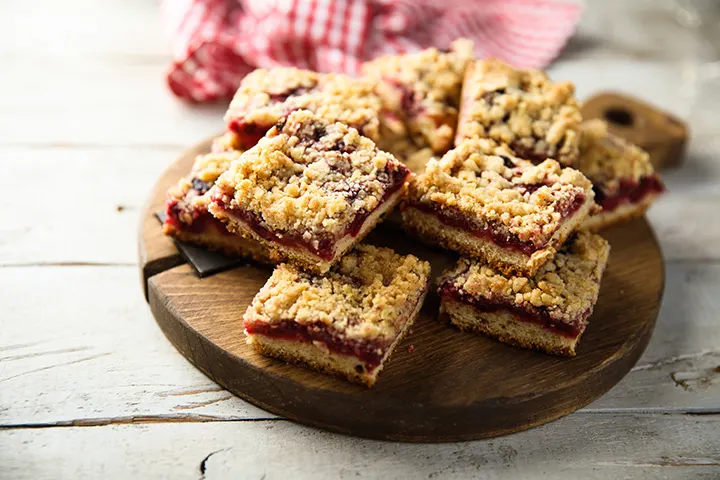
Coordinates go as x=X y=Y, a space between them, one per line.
x=619 y=116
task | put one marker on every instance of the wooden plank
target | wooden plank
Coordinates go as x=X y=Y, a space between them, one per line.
x=100 y=357
x=700 y=172
x=105 y=358
x=679 y=369
x=664 y=29
x=651 y=80
x=108 y=103
x=81 y=28
x=78 y=205
x=686 y=88
x=682 y=228
x=579 y=446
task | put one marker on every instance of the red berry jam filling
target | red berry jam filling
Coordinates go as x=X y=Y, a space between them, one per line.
x=409 y=101
x=531 y=314
x=630 y=191
x=322 y=247
x=371 y=353
x=202 y=220
x=494 y=232
x=293 y=92
x=390 y=116
x=529 y=152
x=200 y=186
x=248 y=133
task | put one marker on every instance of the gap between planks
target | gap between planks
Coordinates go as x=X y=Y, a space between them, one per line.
x=194 y=418
x=68 y=264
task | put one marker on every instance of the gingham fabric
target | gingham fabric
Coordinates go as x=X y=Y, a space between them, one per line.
x=215 y=43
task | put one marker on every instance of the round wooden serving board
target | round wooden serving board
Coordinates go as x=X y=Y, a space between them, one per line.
x=440 y=384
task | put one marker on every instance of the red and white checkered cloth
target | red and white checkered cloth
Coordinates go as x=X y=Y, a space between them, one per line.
x=216 y=43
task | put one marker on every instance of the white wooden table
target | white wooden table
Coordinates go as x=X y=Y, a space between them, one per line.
x=90 y=388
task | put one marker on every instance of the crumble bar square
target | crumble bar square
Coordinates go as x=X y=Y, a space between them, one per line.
x=548 y=311
x=309 y=190
x=421 y=93
x=266 y=96
x=186 y=208
x=623 y=178
x=481 y=201
x=535 y=117
x=346 y=322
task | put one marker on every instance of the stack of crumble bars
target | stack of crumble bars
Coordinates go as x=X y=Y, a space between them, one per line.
x=312 y=162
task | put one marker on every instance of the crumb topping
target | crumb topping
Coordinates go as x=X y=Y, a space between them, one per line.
x=309 y=177
x=607 y=159
x=566 y=287
x=422 y=90
x=265 y=96
x=536 y=117
x=226 y=142
x=366 y=296
x=487 y=184
x=405 y=150
x=191 y=192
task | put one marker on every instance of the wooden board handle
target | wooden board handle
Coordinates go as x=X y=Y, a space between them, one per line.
x=661 y=134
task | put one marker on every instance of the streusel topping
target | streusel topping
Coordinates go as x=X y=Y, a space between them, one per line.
x=606 y=158
x=537 y=118
x=226 y=142
x=405 y=150
x=566 y=287
x=423 y=90
x=265 y=96
x=191 y=192
x=486 y=183
x=261 y=88
x=366 y=296
x=309 y=177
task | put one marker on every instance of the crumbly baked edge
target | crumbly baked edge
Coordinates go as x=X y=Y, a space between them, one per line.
x=337 y=97
x=328 y=362
x=232 y=245
x=226 y=142
x=301 y=256
x=506 y=328
x=433 y=231
x=621 y=214
x=608 y=158
x=480 y=179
